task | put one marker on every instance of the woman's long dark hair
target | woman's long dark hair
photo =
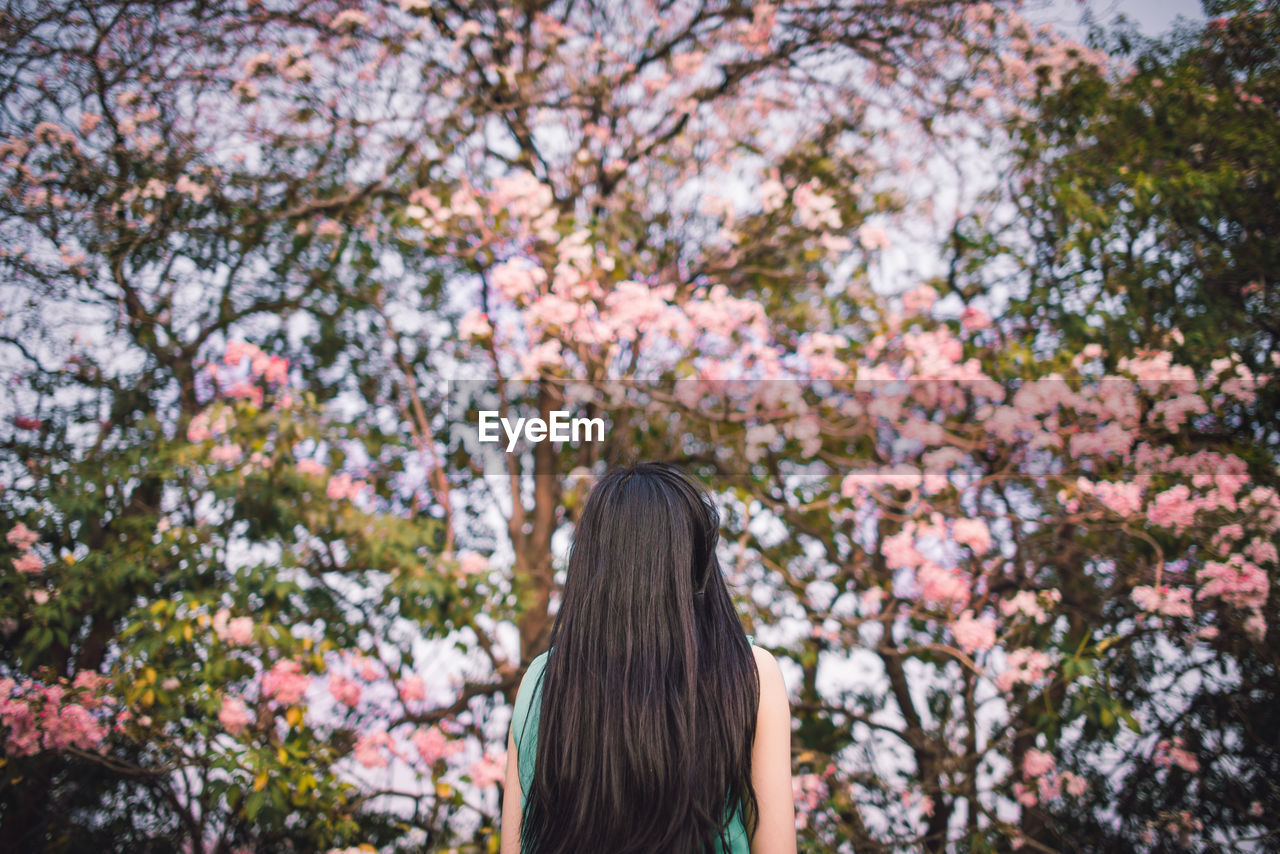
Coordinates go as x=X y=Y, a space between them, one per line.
x=650 y=691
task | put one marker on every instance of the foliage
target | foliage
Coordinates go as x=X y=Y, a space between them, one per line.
x=264 y=589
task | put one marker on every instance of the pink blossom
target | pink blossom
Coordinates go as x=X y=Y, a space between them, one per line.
x=1076 y=785
x=343 y=486
x=1261 y=551
x=521 y=195
x=226 y=453
x=1023 y=665
x=70 y=726
x=1024 y=795
x=1050 y=787
x=1166 y=600
x=474 y=324
x=237 y=350
x=919 y=299
x=516 y=281
x=974 y=319
x=1027 y=602
x=1237 y=581
x=1124 y=499
x=807 y=791
x=344 y=690
x=1175 y=753
x=472 y=563
x=234 y=715
x=285 y=682
x=772 y=195
x=348 y=19
x=490 y=770
x=873 y=237
x=412 y=688
x=273 y=369
x=972 y=533
x=21 y=537
x=943 y=586
x=434 y=745
x=310 y=467
x=973 y=635
x=816 y=209
x=1173 y=508
x=900 y=552
x=240 y=631
x=88 y=680
x=29 y=562
x=1036 y=762
x=871 y=600
x=1112 y=439
x=246 y=390
x=366 y=668
x=367 y=751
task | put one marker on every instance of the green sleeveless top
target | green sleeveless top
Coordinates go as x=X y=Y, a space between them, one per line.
x=524 y=723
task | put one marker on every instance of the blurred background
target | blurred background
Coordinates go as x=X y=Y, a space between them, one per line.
x=965 y=312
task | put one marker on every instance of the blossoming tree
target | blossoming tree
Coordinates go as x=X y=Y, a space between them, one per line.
x=259 y=251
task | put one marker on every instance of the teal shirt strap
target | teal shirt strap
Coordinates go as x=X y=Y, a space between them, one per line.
x=524 y=720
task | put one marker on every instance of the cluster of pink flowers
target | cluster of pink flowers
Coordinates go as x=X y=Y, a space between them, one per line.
x=39 y=716
x=236 y=632
x=1166 y=600
x=1027 y=603
x=344 y=689
x=919 y=300
x=1237 y=581
x=472 y=563
x=899 y=550
x=1175 y=753
x=1174 y=508
x=343 y=486
x=942 y=586
x=285 y=682
x=433 y=744
x=972 y=533
x=310 y=467
x=270 y=368
x=808 y=790
x=1025 y=665
x=202 y=428
x=234 y=715
x=490 y=769
x=369 y=747
x=525 y=198
x=1036 y=763
x=974 y=634
x=261 y=366
x=411 y=688
x=1042 y=783
x=815 y=208
x=1123 y=499
x=24 y=539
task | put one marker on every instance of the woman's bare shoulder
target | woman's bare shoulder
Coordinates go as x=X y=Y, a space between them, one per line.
x=770 y=673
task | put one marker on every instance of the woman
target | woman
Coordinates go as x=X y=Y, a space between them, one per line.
x=664 y=730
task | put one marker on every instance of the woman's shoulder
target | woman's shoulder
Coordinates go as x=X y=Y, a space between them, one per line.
x=769 y=670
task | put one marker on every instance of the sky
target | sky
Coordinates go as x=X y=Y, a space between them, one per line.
x=1152 y=16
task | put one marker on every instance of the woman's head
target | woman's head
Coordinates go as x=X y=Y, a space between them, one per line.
x=646 y=539
x=650 y=693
